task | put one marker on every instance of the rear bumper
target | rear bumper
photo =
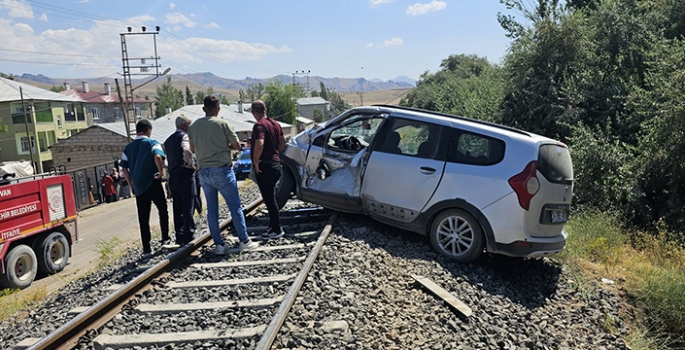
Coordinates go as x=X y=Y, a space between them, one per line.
x=533 y=249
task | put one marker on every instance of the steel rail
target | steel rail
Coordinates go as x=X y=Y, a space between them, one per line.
x=66 y=336
x=277 y=322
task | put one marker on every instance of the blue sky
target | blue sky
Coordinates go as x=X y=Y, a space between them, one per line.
x=257 y=38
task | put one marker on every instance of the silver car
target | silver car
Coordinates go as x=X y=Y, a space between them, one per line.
x=471 y=186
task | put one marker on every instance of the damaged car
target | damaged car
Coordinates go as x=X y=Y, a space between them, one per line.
x=469 y=185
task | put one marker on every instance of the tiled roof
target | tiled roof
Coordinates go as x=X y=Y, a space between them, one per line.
x=98 y=97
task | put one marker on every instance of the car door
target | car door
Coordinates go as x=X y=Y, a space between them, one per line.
x=334 y=164
x=404 y=169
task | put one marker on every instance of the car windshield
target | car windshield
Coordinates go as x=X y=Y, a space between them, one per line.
x=244 y=156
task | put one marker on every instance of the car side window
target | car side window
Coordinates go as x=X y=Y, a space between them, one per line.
x=412 y=138
x=471 y=148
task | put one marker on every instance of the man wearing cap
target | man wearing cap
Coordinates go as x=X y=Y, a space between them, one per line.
x=181 y=180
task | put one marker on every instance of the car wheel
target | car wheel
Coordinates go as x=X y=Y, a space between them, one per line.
x=286 y=187
x=457 y=235
x=20 y=268
x=53 y=253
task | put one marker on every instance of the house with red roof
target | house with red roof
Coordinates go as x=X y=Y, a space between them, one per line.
x=106 y=107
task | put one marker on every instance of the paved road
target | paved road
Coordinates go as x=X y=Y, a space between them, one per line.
x=101 y=223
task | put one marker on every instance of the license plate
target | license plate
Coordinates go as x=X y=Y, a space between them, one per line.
x=558 y=216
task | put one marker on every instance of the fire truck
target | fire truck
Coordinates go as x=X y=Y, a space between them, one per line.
x=37 y=227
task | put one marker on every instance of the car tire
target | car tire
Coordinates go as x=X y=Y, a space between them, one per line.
x=53 y=253
x=20 y=268
x=286 y=187
x=456 y=235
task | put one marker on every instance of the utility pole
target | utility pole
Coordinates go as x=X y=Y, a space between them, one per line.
x=26 y=125
x=361 y=97
x=305 y=73
x=145 y=68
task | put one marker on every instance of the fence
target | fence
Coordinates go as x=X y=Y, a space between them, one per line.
x=86 y=181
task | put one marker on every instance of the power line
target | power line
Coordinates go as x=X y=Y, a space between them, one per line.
x=60 y=64
x=58 y=54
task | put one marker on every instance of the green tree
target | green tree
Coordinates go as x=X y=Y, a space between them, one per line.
x=200 y=97
x=189 y=97
x=253 y=92
x=167 y=97
x=57 y=88
x=318 y=116
x=314 y=93
x=210 y=91
x=224 y=100
x=338 y=105
x=466 y=85
x=280 y=103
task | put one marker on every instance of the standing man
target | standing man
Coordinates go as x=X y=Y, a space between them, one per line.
x=212 y=139
x=181 y=180
x=143 y=165
x=267 y=142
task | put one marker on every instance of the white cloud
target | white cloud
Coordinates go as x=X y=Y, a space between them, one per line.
x=83 y=1
x=422 y=9
x=98 y=39
x=17 y=8
x=176 y=28
x=369 y=45
x=392 y=42
x=374 y=3
x=179 y=18
x=43 y=18
x=212 y=25
x=192 y=49
x=172 y=5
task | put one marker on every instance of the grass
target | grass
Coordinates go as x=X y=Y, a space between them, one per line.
x=649 y=267
x=109 y=251
x=11 y=301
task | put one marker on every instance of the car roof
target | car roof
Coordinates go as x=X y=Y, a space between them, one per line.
x=454 y=120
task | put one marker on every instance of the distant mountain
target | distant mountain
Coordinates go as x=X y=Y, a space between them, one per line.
x=209 y=79
x=404 y=79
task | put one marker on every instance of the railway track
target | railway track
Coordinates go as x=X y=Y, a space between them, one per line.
x=242 y=297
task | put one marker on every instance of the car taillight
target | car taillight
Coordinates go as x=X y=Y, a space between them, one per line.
x=526 y=184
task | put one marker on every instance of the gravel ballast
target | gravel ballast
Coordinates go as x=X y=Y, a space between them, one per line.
x=360 y=295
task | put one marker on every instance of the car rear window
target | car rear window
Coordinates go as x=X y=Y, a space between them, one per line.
x=554 y=163
x=471 y=148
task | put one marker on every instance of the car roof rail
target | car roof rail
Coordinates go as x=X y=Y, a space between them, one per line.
x=509 y=128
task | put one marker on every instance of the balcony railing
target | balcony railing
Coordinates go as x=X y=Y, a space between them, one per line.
x=44 y=117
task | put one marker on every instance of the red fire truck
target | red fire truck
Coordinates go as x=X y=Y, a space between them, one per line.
x=37 y=227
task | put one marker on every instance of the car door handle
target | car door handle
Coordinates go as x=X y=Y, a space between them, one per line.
x=427 y=170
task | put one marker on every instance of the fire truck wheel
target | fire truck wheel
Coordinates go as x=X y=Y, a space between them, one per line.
x=20 y=268
x=53 y=253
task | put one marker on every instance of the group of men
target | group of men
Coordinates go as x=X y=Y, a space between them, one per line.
x=203 y=147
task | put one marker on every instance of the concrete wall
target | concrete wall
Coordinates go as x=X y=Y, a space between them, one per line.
x=92 y=146
x=307 y=111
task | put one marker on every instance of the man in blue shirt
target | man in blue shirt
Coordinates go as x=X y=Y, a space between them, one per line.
x=143 y=165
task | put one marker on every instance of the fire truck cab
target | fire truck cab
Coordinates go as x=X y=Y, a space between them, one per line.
x=37 y=227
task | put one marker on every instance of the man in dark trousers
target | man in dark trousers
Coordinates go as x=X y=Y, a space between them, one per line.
x=143 y=165
x=267 y=142
x=181 y=180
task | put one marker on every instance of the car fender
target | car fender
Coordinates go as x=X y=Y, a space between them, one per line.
x=425 y=219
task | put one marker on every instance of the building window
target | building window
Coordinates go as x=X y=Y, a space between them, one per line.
x=25 y=144
x=138 y=112
x=116 y=113
x=59 y=121
x=95 y=112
